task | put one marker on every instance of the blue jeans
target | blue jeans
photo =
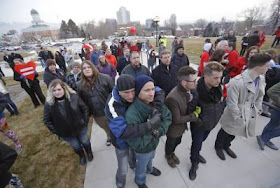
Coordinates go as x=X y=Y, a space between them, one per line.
x=272 y=129
x=11 y=107
x=124 y=158
x=80 y=141
x=144 y=164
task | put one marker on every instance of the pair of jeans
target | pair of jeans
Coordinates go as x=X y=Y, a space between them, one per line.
x=144 y=164
x=198 y=136
x=272 y=129
x=171 y=144
x=223 y=140
x=11 y=107
x=124 y=158
x=80 y=141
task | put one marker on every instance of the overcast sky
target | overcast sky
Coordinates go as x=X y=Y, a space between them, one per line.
x=53 y=11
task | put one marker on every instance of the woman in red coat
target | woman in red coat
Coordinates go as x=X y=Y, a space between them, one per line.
x=207 y=49
x=242 y=61
x=110 y=58
x=262 y=39
x=232 y=59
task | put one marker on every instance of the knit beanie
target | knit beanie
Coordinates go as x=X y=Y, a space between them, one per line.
x=125 y=82
x=178 y=47
x=140 y=81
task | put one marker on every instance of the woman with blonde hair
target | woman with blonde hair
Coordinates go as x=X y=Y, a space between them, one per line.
x=66 y=115
x=94 y=88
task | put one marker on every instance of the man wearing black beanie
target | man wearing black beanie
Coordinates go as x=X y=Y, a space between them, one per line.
x=121 y=98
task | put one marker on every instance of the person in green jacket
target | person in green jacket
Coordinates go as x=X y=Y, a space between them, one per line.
x=140 y=111
x=272 y=129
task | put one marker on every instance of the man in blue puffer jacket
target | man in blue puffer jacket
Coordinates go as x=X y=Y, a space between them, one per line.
x=121 y=98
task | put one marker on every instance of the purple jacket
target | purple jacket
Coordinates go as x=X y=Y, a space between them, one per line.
x=108 y=69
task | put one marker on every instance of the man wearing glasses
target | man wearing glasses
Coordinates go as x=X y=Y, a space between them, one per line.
x=181 y=101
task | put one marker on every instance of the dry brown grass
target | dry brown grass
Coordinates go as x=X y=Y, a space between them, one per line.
x=45 y=160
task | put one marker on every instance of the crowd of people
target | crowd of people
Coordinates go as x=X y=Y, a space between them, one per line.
x=136 y=105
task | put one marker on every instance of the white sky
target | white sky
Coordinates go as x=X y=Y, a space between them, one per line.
x=53 y=11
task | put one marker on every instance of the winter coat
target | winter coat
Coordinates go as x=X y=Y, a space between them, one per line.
x=180 y=60
x=112 y=60
x=72 y=80
x=262 y=40
x=139 y=112
x=274 y=93
x=59 y=59
x=108 y=69
x=7 y=158
x=115 y=114
x=239 y=67
x=45 y=55
x=205 y=56
x=10 y=59
x=211 y=103
x=96 y=97
x=50 y=76
x=232 y=62
x=142 y=70
x=177 y=102
x=114 y=50
x=26 y=83
x=94 y=56
x=57 y=118
x=244 y=104
x=123 y=62
x=165 y=78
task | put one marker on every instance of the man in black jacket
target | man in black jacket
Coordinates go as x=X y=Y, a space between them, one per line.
x=210 y=99
x=165 y=74
x=123 y=61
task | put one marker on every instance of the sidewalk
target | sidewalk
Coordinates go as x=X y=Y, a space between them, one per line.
x=253 y=168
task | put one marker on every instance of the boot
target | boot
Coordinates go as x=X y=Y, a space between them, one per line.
x=170 y=161
x=220 y=154
x=192 y=173
x=82 y=156
x=89 y=153
x=175 y=159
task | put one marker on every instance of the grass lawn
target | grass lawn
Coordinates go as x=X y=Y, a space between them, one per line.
x=47 y=161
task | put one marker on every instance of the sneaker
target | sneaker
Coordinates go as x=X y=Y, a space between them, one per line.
x=175 y=159
x=15 y=181
x=271 y=145
x=108 y=142
x=201 y=159
x=260 y=142
x=18 y=149
x=220 y=154
x=230 y=153
x=170 y=161
x=156 y=172
x=265 y=115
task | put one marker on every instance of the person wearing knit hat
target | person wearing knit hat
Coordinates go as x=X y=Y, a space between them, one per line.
x=179 y=58
x=121 y=98
x=140 y=81
x=139 y=112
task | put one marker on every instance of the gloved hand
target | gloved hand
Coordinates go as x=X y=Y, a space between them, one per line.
x=197 y=111
x=21 y=77
x=154 y=121
x=155 y=133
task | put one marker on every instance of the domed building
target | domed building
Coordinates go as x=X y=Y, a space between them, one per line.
x=39 y=31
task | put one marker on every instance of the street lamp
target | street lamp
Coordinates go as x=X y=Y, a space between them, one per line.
x=156 y=20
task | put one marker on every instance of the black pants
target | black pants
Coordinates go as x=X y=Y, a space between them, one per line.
x=223 y=140
x=277 y=40
x=34 y=90
x=198 y=136
x=171 y=144
x=243 y=49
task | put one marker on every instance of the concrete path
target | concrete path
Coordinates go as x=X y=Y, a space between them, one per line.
x=252 y=169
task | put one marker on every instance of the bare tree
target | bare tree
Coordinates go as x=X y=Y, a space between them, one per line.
x=252 y=16
x=275 y=14
x=200 y=23
x=89 y=29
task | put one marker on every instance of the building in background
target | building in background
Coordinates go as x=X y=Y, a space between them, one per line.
x=39 y=31
x=123 y=16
